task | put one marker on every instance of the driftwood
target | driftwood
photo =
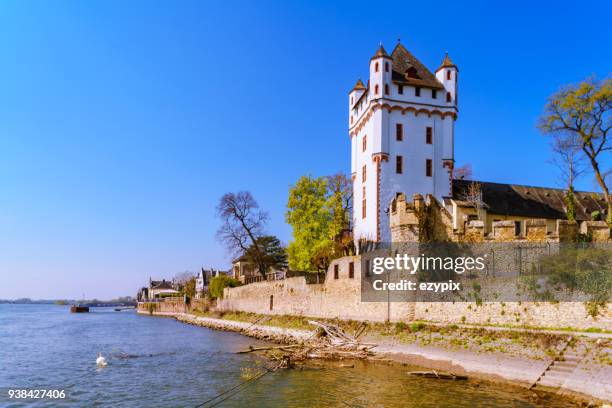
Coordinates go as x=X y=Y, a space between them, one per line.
x=251 y=348
x=440 y=376
x=333 y=343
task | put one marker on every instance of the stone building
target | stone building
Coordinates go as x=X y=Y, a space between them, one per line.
x=401 y=125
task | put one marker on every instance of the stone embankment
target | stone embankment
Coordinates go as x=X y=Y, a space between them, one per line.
x=591 y=380
x=258 y=331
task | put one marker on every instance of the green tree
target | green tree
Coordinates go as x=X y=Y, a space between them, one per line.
x=583 y=110
x=318 y=209
x=218 y=283
x=272 y=254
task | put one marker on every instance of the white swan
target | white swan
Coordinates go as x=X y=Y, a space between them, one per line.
x=100 y=361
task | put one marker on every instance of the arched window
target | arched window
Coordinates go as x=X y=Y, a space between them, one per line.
x=386 y=89
x=376 y=89
x=364 y=143
x=448 y=75
x=386 y=67
x=376 y=67
x=351 y=100
x=448 y=97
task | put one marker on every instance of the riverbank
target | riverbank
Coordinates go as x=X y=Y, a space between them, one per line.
x=570 y=366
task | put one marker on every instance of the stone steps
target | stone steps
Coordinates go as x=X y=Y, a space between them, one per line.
x=560 y=369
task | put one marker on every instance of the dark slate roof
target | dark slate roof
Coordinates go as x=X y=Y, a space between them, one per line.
x=241 y=258
x=529 y=201
x=163 y=284
x=407 y=70
x=447 y=63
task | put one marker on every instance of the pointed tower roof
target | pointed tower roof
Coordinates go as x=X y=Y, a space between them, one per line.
x=380 y=52
x=447 y=63
x=359 y=85
x=408 y=70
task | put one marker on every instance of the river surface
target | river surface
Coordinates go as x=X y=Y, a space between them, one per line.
x=159 y=362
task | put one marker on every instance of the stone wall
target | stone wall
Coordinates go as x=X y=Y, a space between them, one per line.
x=425 y=220
x=173 y=306
x=341 y=298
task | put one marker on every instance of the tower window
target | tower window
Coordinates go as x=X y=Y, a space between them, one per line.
x=386 y=89
x=351 y=119
x=399 y=164
x=429 y=135
x=399 y=132
x=400 y=89
x=428 y=169
x=336 y=271
x=448 y=75
x=448 y=97
x=417 y=91
x=376 y=89
x=363 y=173
x=376 y=67
x=386 y=67
x=351 y=270
x=351 y=100
x=434 y=93
x=364 y=143
x=363 y=203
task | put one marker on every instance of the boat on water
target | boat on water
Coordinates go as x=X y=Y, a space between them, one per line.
x=79 y=309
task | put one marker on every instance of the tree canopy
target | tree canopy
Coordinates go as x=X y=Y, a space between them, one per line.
x=318 y=209
x=273 y=254
x=579 y=116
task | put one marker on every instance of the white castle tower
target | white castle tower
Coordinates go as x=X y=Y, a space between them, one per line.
x=402 y=128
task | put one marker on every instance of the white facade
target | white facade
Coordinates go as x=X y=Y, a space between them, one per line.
x=375 y=113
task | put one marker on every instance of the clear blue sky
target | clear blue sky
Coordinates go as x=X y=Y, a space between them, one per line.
x=122 y=123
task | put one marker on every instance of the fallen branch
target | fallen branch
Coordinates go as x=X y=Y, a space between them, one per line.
x=251 y=348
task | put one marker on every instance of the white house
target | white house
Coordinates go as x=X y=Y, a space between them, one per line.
x=203 y=279
x=401 y=126
x=162 y=288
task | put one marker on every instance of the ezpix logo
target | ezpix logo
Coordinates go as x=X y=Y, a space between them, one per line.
x=413 y=264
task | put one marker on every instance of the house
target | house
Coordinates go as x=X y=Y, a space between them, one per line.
x=162 y=288
x=401 y=126
x=246 y=272
x=143 y=294
x=203 y=279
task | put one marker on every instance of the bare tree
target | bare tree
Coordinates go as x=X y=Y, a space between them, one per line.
x=473 y=195
x=242 y=224
x=584 y=110
x=568 y=157
x=183 y=277
x=464 y=172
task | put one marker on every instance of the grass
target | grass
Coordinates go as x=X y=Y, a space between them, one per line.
x=475 y=338
x=284 y=321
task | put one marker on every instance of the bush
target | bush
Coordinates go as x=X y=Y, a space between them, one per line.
x=218 y=283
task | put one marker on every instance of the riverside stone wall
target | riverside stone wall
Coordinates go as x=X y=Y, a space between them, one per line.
x=341 y=298
x=173 y=306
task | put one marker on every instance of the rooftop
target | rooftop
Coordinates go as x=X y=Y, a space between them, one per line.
x=530 y=201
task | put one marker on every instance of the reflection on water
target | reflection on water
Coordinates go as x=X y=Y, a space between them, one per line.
x=158 y=362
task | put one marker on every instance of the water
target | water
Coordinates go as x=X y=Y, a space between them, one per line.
x=159 y=362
